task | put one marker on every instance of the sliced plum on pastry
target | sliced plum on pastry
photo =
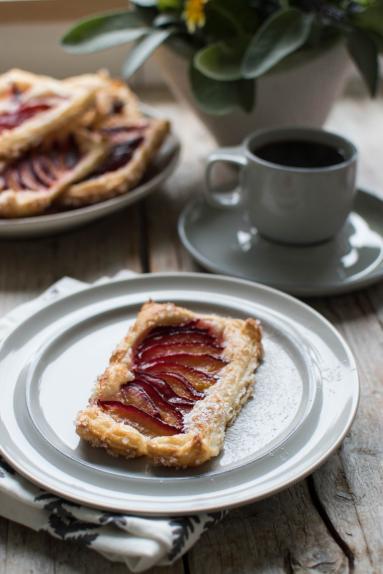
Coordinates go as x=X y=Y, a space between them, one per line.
x=42 y=167
x=23 y=111
x=139 y=419
x=172 y=368
x=123 y=141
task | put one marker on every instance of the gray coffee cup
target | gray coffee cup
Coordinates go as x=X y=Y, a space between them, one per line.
x=288 y=204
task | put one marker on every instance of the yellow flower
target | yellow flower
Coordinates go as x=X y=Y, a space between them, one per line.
x=194 y=14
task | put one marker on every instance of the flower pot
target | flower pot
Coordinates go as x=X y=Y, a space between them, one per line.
x=299 y=95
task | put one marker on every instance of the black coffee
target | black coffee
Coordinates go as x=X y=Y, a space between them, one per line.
x=300 y=153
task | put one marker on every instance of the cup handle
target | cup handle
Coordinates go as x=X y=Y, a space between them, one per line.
x=222 y=196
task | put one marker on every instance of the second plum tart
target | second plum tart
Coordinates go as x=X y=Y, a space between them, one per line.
x=132 y=141
x=173 y=385
x=31 y=183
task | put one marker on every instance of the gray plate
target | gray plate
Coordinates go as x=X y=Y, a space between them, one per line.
x=223 y=241
x=163 y=165
x=304 y=402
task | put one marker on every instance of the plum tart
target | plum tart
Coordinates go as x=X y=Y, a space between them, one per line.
x=173 y=385
x=132 y=139
x=30 y=183
x=131 y=147
x=33 y=106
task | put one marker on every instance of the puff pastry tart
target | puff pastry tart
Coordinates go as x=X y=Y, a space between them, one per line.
x=113 y=98
x=173 y=385
x=132 y=145
x=30 y=183
x=32 y=106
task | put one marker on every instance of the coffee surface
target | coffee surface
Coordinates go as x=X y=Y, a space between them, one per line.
x=300 y=153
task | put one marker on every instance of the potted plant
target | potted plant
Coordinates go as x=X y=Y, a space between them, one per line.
x=244 y=64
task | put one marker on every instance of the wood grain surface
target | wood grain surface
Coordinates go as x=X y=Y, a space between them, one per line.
x=332 y=522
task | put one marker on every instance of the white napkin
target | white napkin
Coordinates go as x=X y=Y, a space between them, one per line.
x=138 y=542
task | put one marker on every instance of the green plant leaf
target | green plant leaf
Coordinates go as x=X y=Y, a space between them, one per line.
x=145 y=3
x=143 y=49
x=370 y=19
x=364 y=52
x=225 y=18
x=280 y=35
x=163 y=20
x=104 y=31
x=219 y=98
x=182 y=44
x=220 y=61
x=164 y=5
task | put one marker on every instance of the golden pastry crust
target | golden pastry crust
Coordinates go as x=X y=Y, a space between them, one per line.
x=119 y=181
x=69 y=102
x=113 y=98
x=205 y=424
x=16 y=202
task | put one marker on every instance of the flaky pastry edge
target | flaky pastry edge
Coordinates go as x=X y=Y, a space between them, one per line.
x=30 y=132
x=107 y=90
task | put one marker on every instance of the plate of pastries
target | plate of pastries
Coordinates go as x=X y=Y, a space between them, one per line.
x=75 y=150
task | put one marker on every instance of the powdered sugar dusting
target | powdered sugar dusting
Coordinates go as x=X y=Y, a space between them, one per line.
x=271 y=412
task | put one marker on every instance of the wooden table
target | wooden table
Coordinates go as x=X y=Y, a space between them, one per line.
x=330 y=522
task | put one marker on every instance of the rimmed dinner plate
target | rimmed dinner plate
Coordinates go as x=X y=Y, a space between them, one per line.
x=161 y=168
x=305 y=397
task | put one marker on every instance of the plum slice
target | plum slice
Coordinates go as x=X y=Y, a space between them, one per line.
x=135 y=395
x=191 y=328
x=139 y=419
x=196 y=379
x=148 y=354
x=176 y=381
x=205 y=362
x=41 y=168
x=178 y=338
x=145 y=397
x=12 y=119
x=179 y=393
x=119 y=155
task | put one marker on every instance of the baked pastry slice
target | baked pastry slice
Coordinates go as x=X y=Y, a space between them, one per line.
x=32 y=106
x=132 y=145
x=173 y=385
x=113 y=98
x=30 y=183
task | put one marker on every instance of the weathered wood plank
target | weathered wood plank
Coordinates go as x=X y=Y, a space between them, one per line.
x=28 y=267
x=361 y=454
x=339 y=507
x=164 y=206
x=283 y=534
x=359 y=118
x=28 y=551
x=3 y=545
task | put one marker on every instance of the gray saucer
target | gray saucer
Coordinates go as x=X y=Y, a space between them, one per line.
x=223 y=241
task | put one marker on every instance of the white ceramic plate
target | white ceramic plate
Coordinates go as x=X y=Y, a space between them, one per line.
x=163 y=165
x=305 y=397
